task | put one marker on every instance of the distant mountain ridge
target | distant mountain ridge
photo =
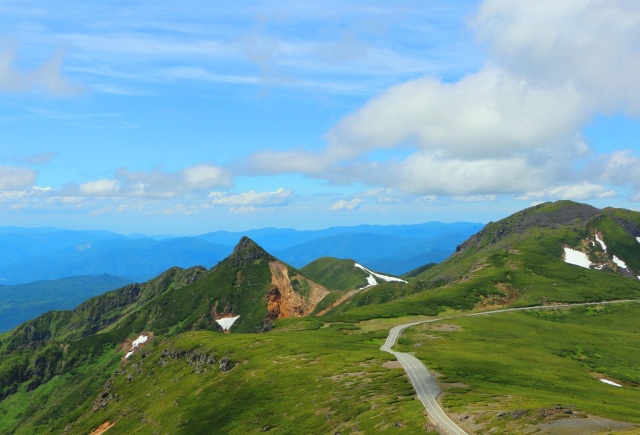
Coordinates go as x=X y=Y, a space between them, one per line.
x=47 y=253
x=21 y=302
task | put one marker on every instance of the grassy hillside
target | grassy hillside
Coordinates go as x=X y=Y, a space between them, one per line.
x=518 y=261
x=335 y=274
x=535 y=364
x=291 y=380
x=60 y=343
x=506 y=372
x=19 y=303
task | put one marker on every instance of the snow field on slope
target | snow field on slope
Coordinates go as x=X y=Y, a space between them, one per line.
x=371 y=279
x=137 y=342
x=577 y=258
x=227 y=322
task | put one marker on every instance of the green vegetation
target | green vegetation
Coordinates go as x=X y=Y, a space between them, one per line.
x=292 y=380
x=529 y=361
x=335 y=274
x=518 y=261
x=65 y=369
x=19 y=303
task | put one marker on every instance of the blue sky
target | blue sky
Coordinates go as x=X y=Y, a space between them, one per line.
x=184 y=118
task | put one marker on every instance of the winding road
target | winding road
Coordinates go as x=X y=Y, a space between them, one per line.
x=423 y=381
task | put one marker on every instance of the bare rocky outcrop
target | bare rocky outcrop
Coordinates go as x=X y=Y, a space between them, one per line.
x=283 y=301
x=225 y=364
x=197 y=359
x=106 y=397
x=545 y=215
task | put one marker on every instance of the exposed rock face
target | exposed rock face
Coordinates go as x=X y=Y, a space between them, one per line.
x=105 y=397
x=225 y=364
x=283 y=301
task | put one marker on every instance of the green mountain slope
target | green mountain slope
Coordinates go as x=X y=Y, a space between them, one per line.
x=67 y=370
x=19 y=303
x=250 y=284
x=537 y=371
x=335 y=274
x=520 y=261
x=287 y=381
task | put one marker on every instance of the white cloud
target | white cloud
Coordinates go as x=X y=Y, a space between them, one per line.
x=99 y=188
x=160 y=184
x=252 y=201
x=183 y=191
x=476 y=198
x=579 y=192
x=47 y=77
x=619 y=168
x=16 y=179
x=491 y=113
x=426 y=173
x=591 y=44
x=347 y=205
x=512 y=127
x=206 y=176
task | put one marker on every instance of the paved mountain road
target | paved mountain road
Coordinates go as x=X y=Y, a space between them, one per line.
x=423 y=381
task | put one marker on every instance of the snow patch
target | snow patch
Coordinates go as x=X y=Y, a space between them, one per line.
x=607 y=381
x=134 y=345
x=604 y=247
x=371 y=279
x=138 y=341
x=619 y=262
x=638 y=239
x=577 y=258
x=227 y=322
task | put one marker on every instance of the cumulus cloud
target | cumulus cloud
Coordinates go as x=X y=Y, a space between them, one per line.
x=347 y=205
x=581 y=191
x=252 y=201
x=161 y=184
x=509 y=128
x=16 y=179
x=591 y=44
x=99 y=188
x=46 y=78
x=156 y=191
x=619 y=168
x=206 y=176
x=491 y=113
x=156 y=184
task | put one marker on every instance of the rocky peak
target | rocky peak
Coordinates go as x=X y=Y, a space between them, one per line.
x=247 y=251
x=546 y=215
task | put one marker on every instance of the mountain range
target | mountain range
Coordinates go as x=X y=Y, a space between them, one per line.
x=256 y=344
x=21 y=302
x=48 y=253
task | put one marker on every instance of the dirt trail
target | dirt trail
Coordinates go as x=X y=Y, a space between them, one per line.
x=103 y=428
